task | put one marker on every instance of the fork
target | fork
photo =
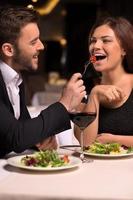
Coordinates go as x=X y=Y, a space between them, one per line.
x=92 y=60
x=86 y=66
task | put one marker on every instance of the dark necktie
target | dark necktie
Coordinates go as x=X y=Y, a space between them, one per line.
x=24 y=114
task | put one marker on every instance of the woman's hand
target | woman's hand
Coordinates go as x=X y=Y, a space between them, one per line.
x=108 y=93
x=105 y=138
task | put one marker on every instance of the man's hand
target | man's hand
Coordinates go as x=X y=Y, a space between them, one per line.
x=73 y=93
x=49 y=143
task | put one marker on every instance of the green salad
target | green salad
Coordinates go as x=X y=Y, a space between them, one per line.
x=47 y=158
x=109 y=148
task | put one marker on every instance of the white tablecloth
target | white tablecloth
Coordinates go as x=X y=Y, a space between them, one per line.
x=3 y=173
x=102 y=179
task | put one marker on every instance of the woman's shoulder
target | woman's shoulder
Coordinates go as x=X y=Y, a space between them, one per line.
x=128 y=81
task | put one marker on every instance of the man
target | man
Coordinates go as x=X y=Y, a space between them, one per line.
x=19 y=49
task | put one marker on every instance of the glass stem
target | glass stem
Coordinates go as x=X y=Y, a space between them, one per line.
x=82 y=145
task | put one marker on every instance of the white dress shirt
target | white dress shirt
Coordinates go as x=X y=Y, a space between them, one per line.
x=12 y=80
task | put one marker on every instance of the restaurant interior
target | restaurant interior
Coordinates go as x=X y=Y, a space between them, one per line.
x=65 y=25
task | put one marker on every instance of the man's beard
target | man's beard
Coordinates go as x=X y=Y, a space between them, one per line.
x=21 y=60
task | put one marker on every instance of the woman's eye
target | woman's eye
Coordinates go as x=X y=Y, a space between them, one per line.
x=92 y=41
x=106 y=40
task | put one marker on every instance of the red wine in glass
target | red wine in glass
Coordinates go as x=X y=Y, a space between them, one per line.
x=82 y=120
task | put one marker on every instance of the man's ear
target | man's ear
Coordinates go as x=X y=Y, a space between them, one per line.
x=7 y=49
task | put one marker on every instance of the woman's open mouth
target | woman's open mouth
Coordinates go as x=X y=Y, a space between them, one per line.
x=100 y=57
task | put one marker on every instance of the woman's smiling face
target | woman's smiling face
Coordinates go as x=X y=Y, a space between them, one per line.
x=107 y=48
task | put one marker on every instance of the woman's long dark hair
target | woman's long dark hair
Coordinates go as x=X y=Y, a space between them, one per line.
x=123 y=30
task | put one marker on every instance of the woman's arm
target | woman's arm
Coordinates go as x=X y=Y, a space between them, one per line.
x=109 y=138
x=103 y=94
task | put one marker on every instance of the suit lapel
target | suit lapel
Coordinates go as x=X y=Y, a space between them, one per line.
x=24 y=114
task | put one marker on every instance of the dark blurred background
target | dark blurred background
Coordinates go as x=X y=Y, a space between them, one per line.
x=65 y=25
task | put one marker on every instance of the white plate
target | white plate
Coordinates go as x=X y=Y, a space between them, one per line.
x=109 y=155
x=16 y=162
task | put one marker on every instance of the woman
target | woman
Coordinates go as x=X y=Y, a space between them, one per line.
x=111 y=41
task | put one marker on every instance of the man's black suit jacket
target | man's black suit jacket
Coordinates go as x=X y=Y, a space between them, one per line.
x=19 y=135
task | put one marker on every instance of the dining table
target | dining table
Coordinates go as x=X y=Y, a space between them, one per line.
x=101 y=178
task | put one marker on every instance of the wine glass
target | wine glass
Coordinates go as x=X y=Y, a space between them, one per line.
x=82 y=119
